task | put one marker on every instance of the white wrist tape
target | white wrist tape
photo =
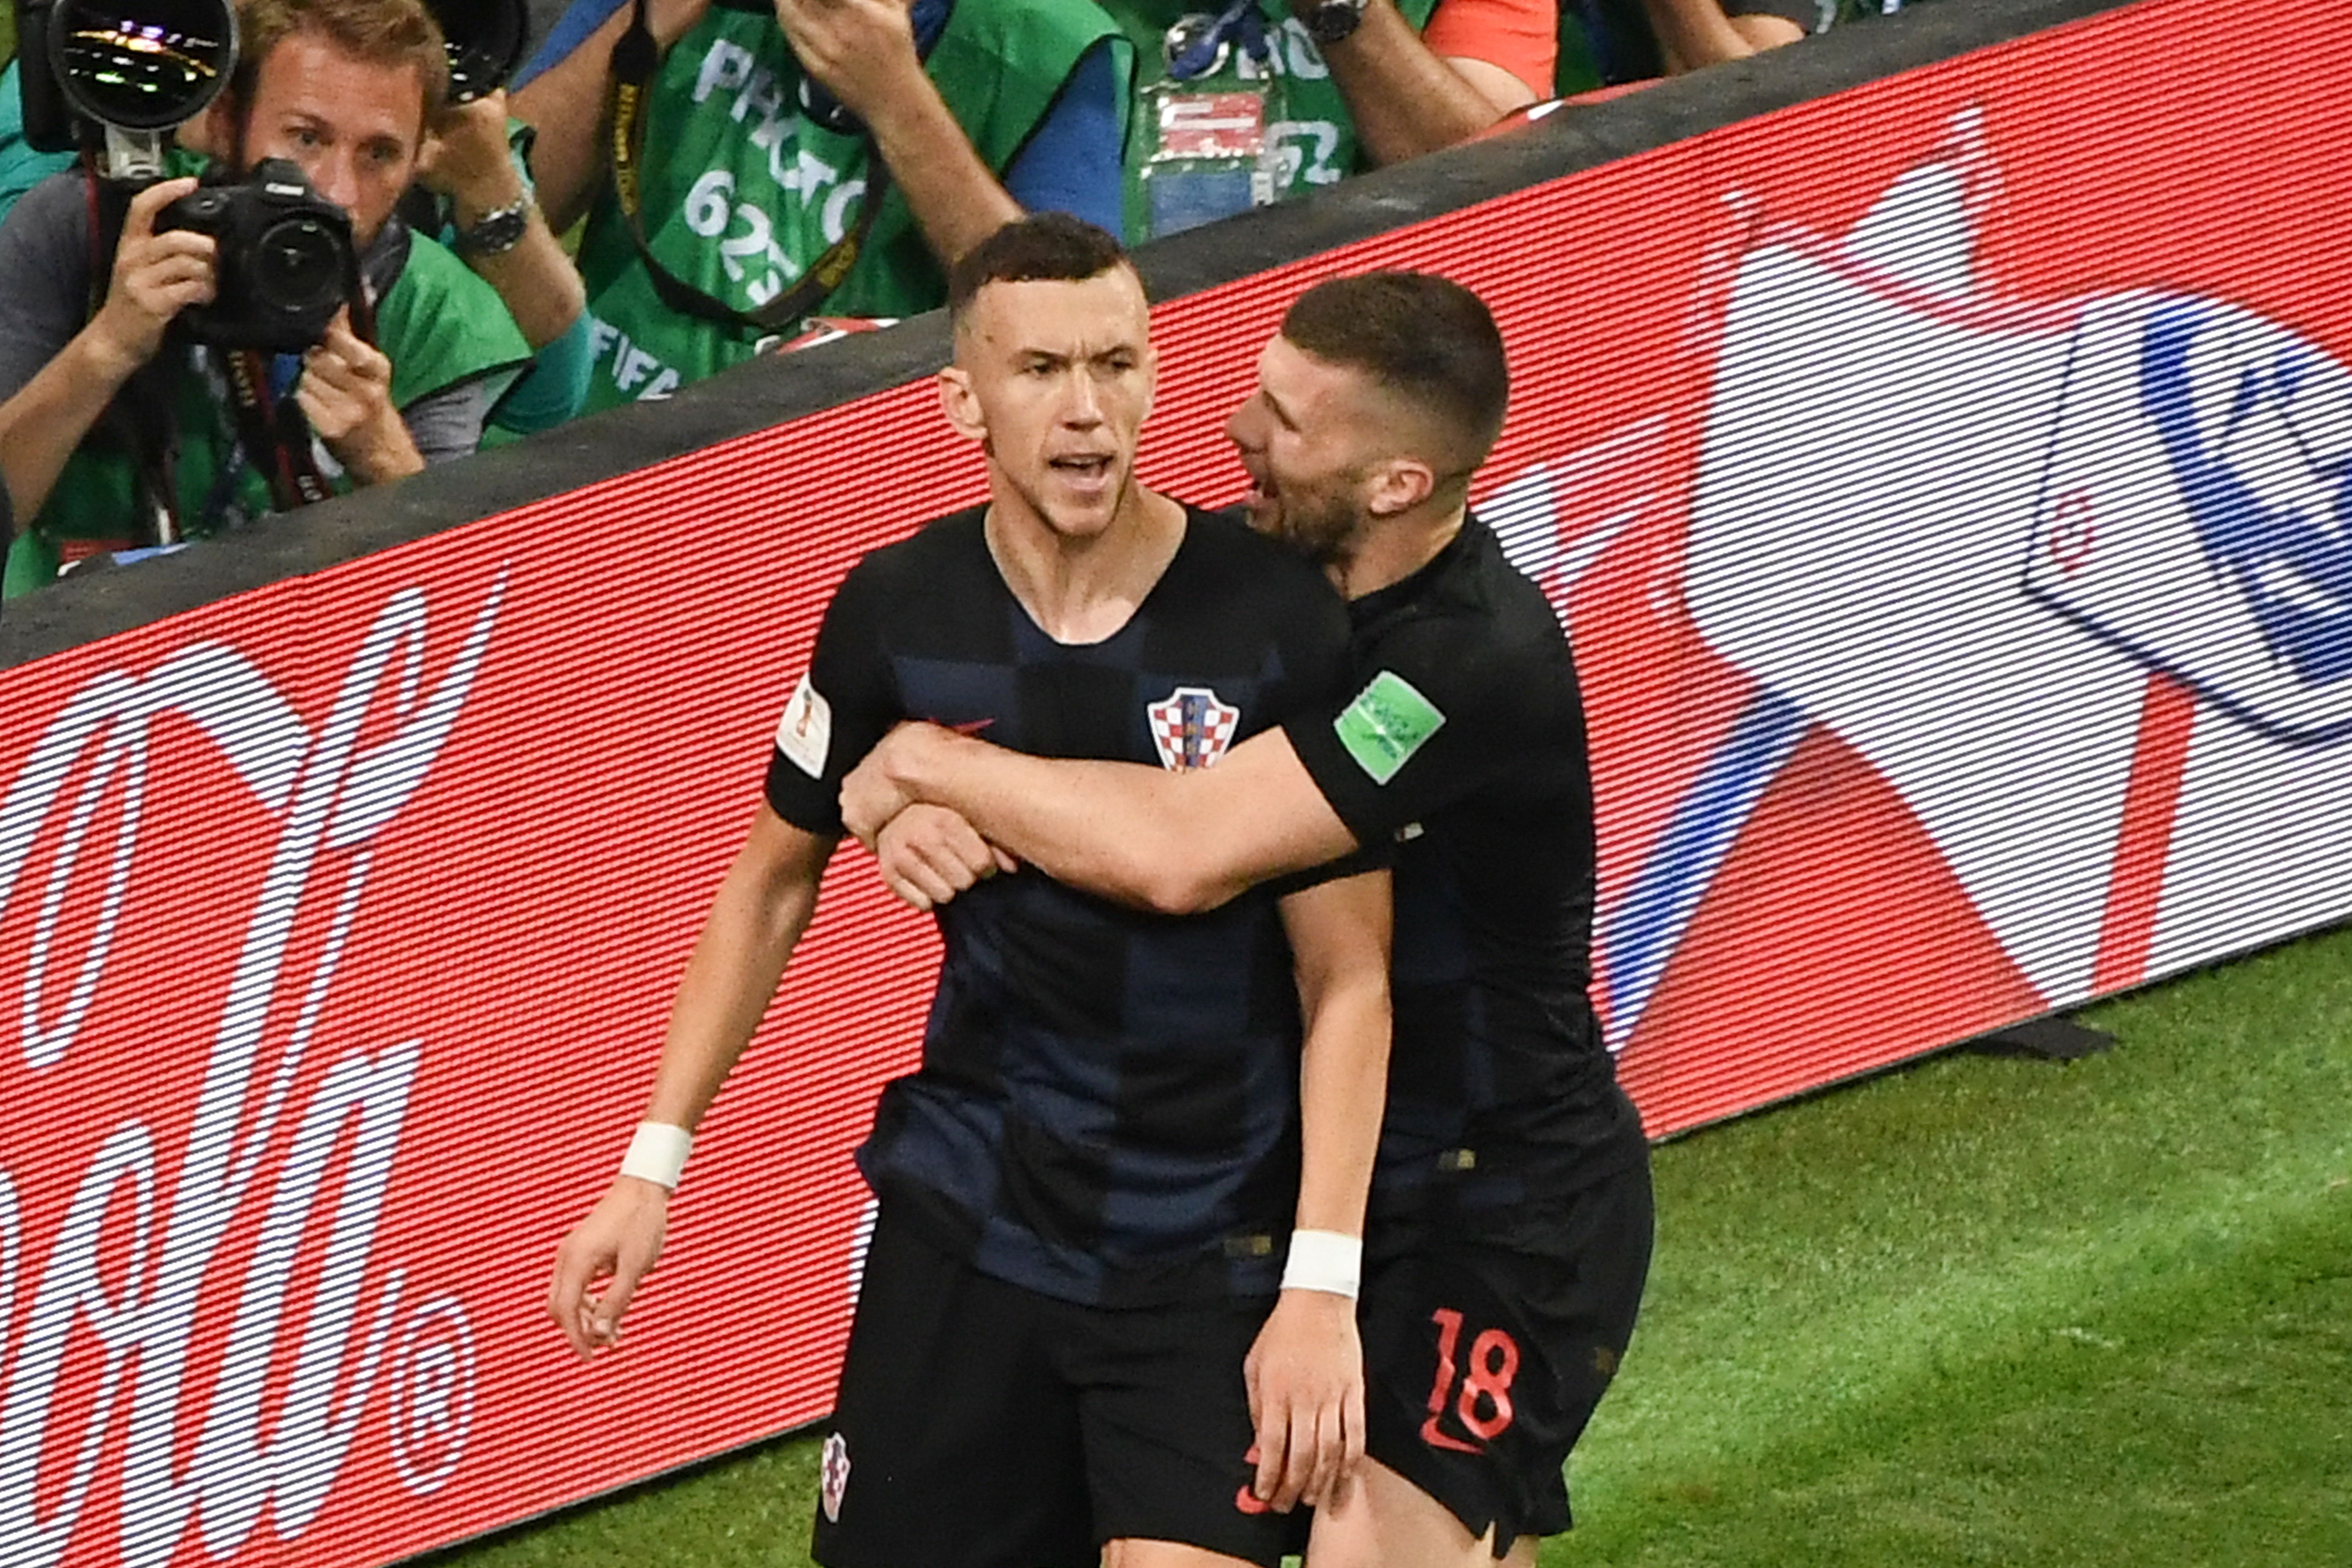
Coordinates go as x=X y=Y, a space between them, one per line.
x=657 y=1153
x=1325 y=1260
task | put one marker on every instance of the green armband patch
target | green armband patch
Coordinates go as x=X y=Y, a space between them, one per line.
x=1386 y=724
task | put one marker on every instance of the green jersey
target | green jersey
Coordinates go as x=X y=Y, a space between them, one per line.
x=742 y=191
x=441 y=327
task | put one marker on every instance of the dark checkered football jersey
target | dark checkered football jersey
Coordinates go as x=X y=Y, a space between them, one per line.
x=1462 y=742
x=1106 y=1109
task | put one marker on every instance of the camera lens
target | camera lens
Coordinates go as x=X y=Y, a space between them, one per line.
x=142 y=65
x=298 y=266
x=486 y=43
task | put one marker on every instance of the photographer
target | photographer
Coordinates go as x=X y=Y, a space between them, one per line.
x=799 y=156
x=118 y=430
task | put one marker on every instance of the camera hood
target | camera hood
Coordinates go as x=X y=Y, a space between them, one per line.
x=140 y=66
x=485 y=38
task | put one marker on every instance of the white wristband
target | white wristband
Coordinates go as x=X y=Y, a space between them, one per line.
x=657 y=1153
x=1325 y=1260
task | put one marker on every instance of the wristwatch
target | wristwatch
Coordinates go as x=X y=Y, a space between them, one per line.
x=498 y=231
x=1329 y=22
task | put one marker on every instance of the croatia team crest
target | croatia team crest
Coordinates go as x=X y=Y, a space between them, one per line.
x=834 y=1475
x=1191 y=727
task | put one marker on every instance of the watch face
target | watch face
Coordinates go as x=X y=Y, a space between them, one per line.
x=1334 y=20
x=501 y=230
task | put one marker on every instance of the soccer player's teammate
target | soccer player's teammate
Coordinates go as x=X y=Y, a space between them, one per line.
x=1107 y=1313
x=1511 y=1220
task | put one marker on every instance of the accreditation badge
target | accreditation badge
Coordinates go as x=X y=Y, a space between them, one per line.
x=1207 y=151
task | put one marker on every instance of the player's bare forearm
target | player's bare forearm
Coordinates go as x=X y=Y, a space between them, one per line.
x=1305 y=1371
x=956 y=200
x=1405 y=99
x=1178 y=842
x=764 y=906
x=1339 y=938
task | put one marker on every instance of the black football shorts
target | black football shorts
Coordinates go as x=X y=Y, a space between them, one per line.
x=1482 y=1361
x=981 y=1424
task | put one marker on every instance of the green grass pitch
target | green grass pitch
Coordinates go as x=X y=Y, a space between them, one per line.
x=1979 y=1311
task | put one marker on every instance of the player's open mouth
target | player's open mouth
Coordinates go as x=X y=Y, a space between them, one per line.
x=1085 y=470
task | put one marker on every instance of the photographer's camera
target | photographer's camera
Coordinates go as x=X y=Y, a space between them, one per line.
x=286 y=263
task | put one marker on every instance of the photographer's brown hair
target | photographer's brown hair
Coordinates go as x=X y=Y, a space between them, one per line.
x=391 y=33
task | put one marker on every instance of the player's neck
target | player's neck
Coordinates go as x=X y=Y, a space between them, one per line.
x=1084 y=590
x=1388 y=552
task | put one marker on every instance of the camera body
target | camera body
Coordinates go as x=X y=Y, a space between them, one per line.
x=285 y=262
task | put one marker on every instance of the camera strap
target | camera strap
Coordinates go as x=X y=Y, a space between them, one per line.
x=637 y=59
x=275 y=436
x=142 y=421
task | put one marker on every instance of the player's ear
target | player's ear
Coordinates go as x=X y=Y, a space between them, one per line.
x=1399 y=485
x=1151 y=378
x=961 y=405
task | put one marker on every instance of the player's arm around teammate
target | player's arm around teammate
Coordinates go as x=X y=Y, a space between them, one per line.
x=1178 y=842
x=763 y=907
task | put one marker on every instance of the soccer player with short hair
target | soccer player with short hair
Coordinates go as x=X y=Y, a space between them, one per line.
x=1063 y=1352
x=1510 y=1230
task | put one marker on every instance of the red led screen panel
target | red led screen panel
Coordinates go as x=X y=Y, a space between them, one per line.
x=1943 y=484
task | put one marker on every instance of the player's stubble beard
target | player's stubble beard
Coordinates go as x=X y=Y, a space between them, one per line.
x=1321 y=521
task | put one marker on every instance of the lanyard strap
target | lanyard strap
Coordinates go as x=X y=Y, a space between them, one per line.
x=636 y=59
x=1192 y=54
x=275 y=436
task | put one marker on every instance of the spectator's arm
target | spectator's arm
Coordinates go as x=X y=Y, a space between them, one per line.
x=470 y=161
x=42 y=425
x=1695 y=33
x=566 y=101
x=155 y=277
x=1407 y=98
x=864 y=52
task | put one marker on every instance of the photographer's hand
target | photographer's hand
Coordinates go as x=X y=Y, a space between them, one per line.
x=862 y=50
x=864 y=53
x=468 y=159
x=346 y=393
x=156 y=276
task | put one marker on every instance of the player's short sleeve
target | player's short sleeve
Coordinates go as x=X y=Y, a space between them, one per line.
x=1437 y=719
x=842 y=704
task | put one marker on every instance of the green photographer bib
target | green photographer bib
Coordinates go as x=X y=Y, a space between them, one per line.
x=742 y=191
x=1257 y=129
x=440 y=325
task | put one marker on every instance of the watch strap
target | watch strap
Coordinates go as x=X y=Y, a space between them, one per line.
x=499 y=230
